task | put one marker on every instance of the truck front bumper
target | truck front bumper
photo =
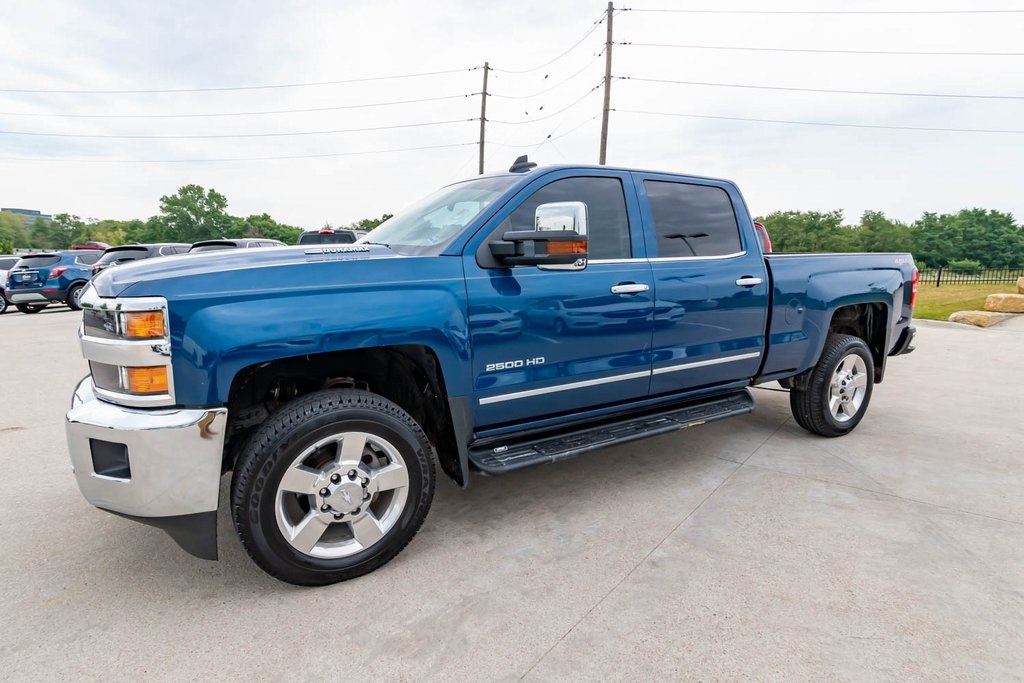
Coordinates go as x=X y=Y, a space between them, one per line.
x=159 y=466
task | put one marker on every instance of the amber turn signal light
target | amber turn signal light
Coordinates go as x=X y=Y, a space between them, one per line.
x=151 y=380
x=571 y=247
x=144 y=324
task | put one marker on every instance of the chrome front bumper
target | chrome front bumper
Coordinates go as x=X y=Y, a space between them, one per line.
x=160 y=466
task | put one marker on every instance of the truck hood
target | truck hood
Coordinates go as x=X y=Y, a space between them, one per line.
x=235 y=269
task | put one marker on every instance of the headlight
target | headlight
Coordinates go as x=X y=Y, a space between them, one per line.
x=127 y=344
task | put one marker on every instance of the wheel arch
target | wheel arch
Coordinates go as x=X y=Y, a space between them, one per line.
x=410 y=375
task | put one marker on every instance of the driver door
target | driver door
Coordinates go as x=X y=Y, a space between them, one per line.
x=546 y=342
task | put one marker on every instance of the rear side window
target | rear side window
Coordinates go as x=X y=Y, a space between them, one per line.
x=88 y=259
x=37 y=261
x=116 y=255
x=692 y=220
x=608 y=223
x=7 y=263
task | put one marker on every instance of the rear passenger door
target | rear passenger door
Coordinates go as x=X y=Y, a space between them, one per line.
x=710 y=284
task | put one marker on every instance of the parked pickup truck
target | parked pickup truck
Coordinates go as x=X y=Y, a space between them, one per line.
x=510 y=320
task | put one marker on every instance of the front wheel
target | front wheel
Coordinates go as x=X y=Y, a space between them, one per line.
x=333 y=486
x=838 y=390
x=30 y=308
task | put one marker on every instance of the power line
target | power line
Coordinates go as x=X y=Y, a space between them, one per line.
x=548 y=116
x=820 y=123
x=756 y=11
x=234 y=113
x=238 y=87
x=553 y=87
x=549 y=137
x=552 y=61
x=839 y=52
x=822 y=90
x=234 y=135
x=227 y=159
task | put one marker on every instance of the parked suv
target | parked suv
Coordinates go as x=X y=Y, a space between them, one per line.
x=246 y=243
x=115 y=256
x=38 y=280
x=331 y=236
x=6 y=263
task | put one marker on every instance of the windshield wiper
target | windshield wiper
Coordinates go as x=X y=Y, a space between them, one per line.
x=379 y=244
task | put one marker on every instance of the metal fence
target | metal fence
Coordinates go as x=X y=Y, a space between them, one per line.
x=949 y=276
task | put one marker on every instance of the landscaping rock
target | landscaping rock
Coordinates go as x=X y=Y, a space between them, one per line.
x=1020 y=285
x=1005 y=303
x=979 y=318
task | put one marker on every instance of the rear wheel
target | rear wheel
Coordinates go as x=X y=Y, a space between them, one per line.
x=838 y=390
x=30 y=308
x=3 y=304
x=74 y=297
x=332 y=487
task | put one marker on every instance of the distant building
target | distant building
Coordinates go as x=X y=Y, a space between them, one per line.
x=30 y=214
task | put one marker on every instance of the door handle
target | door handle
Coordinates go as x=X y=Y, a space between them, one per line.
x=747 y=281
x=629 y=288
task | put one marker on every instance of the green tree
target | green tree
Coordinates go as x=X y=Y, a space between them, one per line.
x=368 y=223
x=14 y=232
x=878 y=233
x=808 y=231
x=263 y=225
x=60 y=233
x=194 y=214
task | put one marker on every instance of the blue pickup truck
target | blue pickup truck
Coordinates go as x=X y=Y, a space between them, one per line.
x=507 y=321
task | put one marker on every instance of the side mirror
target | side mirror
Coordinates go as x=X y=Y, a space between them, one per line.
x=557 y=242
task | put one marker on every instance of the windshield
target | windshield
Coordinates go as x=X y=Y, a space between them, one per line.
x=427 y=226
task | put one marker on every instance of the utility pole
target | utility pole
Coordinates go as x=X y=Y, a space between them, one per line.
x=483 y=116
x=607 y=86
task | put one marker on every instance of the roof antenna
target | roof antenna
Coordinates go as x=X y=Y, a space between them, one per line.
x=521 y=165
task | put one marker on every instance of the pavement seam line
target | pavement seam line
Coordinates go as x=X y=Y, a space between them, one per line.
x=625 y=576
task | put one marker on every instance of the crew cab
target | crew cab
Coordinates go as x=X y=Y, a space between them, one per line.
x=503 y=322
x=38 y=280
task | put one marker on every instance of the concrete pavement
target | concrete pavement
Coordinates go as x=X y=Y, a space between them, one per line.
x=742 y=549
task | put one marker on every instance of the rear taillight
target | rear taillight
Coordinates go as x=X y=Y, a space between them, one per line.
x=766 y=241
x=913 y=288
x=56 y=272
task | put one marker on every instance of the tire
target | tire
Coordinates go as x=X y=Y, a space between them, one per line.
x=3 y=304
x=30 y=308
x=74 y=293
x=272 y=513
x=838 y=389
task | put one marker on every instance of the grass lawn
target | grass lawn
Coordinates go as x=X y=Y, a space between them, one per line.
x=936 y=303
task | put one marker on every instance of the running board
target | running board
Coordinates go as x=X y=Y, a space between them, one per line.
x=498 y=459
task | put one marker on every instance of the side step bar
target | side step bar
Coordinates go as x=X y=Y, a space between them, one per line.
x=512 y=456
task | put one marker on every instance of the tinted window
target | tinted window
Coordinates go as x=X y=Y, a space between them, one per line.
x=37 y=261
x=212 y=247
x=7 y=263
x=692 y=220
x=88 y=259
x=608 y=224
x=123 y=255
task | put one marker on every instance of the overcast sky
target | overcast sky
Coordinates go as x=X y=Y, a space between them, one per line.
x=127 y=45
